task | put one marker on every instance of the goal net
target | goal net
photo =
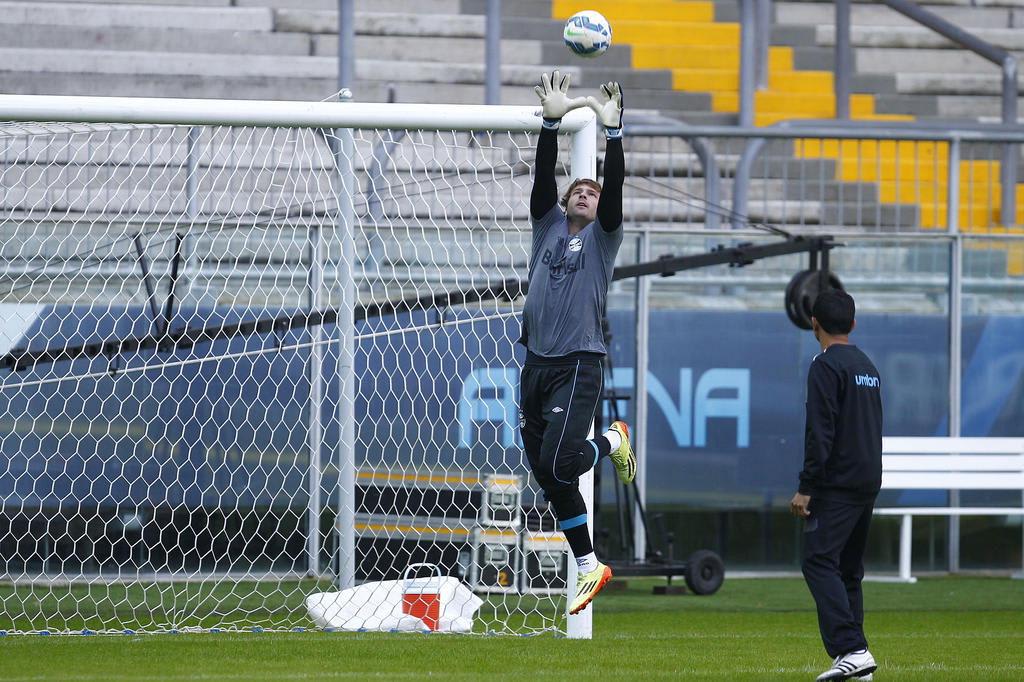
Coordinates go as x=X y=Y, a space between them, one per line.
x=254 y=352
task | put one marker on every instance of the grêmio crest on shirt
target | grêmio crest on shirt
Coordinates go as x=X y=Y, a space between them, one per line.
x=565 y=258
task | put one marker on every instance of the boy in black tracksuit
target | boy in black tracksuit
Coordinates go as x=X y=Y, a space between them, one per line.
x=840 y=479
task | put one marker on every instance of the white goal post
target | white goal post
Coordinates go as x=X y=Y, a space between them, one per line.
x=251 y=350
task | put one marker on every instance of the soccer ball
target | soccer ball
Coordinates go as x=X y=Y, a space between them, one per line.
x=587 y=34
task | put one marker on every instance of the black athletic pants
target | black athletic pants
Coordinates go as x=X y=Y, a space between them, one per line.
x=557 y=403
x=835 y=536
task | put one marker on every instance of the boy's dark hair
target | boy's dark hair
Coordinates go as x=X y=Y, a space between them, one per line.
x=834 y=309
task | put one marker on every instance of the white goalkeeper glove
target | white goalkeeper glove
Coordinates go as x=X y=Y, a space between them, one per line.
x=554 y=96
x=609 y=107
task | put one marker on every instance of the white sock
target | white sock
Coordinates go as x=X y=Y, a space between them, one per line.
x=614 y=439
x=586 y=563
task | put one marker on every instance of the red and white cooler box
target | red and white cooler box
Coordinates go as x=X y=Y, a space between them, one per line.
x=432 y=602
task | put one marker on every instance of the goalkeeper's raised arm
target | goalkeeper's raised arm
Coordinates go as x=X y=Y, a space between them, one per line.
x=555 y=103
x=609 y=110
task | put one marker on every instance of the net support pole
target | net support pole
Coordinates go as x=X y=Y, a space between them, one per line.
x=583 y=165
x=192 y=206
x=643 y=299
x=345 y=236
x=955 y=331
x=315 y=433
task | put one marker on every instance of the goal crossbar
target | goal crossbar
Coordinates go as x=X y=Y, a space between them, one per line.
x=260 y=113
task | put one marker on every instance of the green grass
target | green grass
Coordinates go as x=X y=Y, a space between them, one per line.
x=941 y=628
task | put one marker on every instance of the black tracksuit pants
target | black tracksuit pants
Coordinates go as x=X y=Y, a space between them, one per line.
x=557 y=403
x=835 y=536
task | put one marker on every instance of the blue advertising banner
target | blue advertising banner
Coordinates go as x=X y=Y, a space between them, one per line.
x=225 y=423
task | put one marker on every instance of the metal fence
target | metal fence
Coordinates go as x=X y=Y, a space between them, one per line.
x=865 y=178
x=917 y=209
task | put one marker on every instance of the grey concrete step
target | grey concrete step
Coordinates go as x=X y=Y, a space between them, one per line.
x=777 y=166
x=430 y=49
x=683 y=102
x=381 y=23
x=819 y=14
x=914 y=37
x=690 y=191
x=964 y=107
x=515 y=8
x=813 y=58
x=970 y=106
x=795 y=35
x=549 y=31
x=895 y=60
x=704 y=118
x=98 y=62
x=888 y=103
x=467 y=206
x=873 y=83
x=533 y=27
x=808 y=55
x=189 y=3
x=884 y=217
x=950 y=83
x=831 y=191
x=239 y=152
x=630 y=79
x=249 y=87
x=150 y=39
x=727 y=10
x=661 y=145
x=158 y=16
x=555 y=52
x=399 y=6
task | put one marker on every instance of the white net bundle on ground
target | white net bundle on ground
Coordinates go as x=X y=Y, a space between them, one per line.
x=185 y=442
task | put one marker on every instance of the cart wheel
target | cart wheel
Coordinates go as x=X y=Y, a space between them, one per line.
x=704 y=572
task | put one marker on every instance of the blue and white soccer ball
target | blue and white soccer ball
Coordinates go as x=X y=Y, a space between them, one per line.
x=587 y=33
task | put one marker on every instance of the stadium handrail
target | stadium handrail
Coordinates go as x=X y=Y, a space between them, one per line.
x=997 y=55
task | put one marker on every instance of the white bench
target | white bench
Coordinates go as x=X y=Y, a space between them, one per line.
x=949 y=464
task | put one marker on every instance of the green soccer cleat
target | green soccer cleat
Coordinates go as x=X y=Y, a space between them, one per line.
x=623 y=457
x=588 y=585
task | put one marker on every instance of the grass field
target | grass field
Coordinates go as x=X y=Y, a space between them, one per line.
x=938 y=629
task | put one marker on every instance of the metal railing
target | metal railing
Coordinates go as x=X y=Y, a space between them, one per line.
x=1008 y=136
x=492 y=53
x=755 y=37
x=998 y=56
x=755 y=30
x=755 y=139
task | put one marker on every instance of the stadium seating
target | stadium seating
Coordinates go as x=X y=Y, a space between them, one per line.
x=931 y=81
x=432 y=50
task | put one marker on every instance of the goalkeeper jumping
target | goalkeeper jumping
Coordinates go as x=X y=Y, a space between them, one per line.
x=575 y=241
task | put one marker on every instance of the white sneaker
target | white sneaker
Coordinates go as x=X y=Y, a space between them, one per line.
x=856 y=665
